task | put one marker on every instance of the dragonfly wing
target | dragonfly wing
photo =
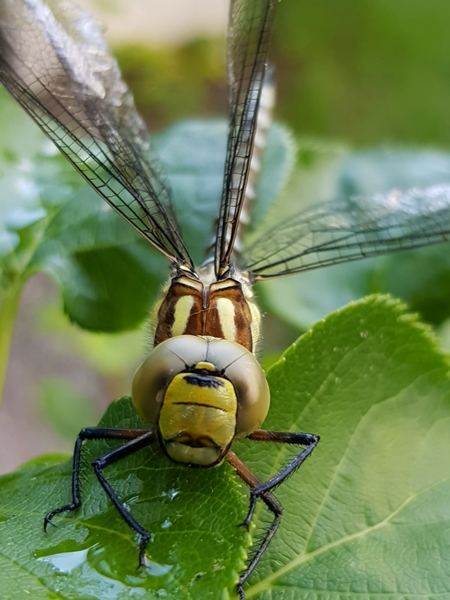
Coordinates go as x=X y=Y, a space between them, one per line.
x=249 y=30
x=55 y=62
x=339 y=231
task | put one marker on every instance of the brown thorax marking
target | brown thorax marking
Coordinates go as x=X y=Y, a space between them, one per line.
x=206 y=307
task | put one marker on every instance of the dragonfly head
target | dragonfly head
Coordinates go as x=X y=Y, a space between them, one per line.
x=200 y=394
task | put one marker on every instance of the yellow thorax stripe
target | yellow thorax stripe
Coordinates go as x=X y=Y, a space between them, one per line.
x=183 y=309
x=225 y=308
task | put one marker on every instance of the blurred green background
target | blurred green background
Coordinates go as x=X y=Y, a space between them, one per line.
x=363 y=71
x=350 y=75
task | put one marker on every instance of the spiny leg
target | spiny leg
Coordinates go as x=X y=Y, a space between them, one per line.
x=272 y=504
x=281 y=437
x=107 y=460
x=90 y=433
x=262 y=490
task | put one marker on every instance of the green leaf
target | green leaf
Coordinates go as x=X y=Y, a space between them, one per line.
x=193 y=154
x=35 y=181
x=108 y=275
x=367 y=514
x=277 y=164
x=420 y=277
x=197 y=551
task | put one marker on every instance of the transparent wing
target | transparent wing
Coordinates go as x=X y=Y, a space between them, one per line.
x=249 y=29
x=54 y=61
x=340 y=231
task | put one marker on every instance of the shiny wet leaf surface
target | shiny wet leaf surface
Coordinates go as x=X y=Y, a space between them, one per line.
x=197 y=551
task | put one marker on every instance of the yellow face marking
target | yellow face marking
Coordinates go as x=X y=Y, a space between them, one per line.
x=183 y=309
x=198 y=418
x=190 y=388
x=225 y=309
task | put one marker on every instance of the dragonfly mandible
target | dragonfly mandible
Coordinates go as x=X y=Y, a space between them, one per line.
x=201 y=386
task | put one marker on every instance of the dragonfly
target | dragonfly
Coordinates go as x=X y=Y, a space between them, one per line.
x=201 y=387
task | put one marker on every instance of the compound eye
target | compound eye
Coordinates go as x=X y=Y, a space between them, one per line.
x=245 y=373
x=252 y=391
x=163 y=363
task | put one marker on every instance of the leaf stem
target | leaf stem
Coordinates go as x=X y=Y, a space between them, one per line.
x=10 y=301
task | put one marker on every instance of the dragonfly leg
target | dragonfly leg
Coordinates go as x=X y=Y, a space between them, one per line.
x=89 y=433
x=263 y=490
x=272 y=504
x=300 y=439
x=110 y=458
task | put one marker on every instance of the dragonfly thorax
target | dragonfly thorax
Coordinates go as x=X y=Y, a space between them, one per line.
x=200 y=394
x=200 y=305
